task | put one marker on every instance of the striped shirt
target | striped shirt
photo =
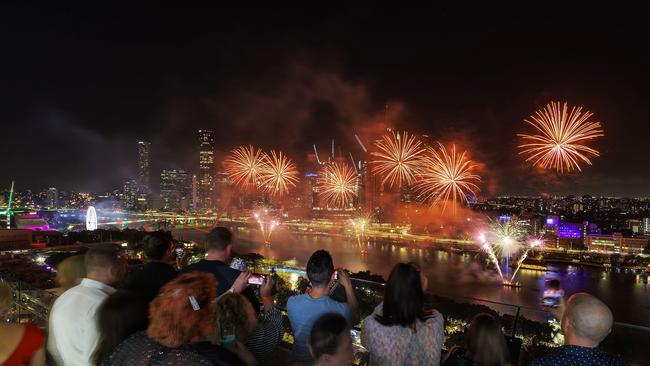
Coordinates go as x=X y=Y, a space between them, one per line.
x=266 y=337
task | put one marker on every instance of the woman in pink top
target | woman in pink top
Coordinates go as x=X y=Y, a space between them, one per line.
x=20 y=344
x=400 y=331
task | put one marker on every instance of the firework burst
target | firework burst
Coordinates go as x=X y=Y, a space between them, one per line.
x=280 y=174
x=360 y=224
x=267 y=225
x=337 y=185
x=398 y=159
x=446 y=176
x=561 y=135
x=244 y=165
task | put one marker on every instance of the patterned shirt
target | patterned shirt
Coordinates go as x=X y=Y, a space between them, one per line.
x=397 y=345
x=266 y=337
x=578 y=356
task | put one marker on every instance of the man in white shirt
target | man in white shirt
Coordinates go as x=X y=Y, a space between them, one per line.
x=73 y=332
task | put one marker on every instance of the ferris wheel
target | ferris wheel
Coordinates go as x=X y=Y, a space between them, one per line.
x=91 y=219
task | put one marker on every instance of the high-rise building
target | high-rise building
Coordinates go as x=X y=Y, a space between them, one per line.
x=52 y=198
x=195 y=191
x=646 y=225
x=144 y=166
x=130 y=194
x=206 y=168
x=175 y=189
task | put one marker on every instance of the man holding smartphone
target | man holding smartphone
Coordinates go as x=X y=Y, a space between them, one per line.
x=219 y=251
x=304 y=309
x=586 y=321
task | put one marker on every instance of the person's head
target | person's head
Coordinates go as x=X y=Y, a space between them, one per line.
x=586 y=320
x=234 y=311
x=6 y=298
x=486 y=344
x=71 y=271
x=105 y=263
x=183 y=310
x=330 y=342
x=403 y=296
x=320 y=268
x=219 y=240
x=158 y=245
x=120 y=315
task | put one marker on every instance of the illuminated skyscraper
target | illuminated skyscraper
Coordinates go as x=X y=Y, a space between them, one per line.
x=130 y=195
x=144 y=166
x=175 y=189
x=52 y=198
x=206 y=168
x=195 y=191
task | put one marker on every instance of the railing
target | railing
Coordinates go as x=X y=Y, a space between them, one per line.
x=533 y=329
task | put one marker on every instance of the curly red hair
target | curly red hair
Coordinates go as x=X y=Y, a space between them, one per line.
x=172 y=318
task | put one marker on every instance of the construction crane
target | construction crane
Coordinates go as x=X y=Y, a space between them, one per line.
x=8 y=210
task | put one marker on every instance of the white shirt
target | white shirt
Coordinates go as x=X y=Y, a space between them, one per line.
x=73 y=332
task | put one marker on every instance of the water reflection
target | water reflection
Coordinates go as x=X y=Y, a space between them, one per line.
x=455 y=274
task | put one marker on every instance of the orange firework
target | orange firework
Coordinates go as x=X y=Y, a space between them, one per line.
x=398 y=159
x=561 y=137
x=244 y=166
x=447 y=176
x=337 y=185
x=280 y=174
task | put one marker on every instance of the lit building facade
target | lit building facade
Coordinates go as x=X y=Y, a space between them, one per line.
x=616 y=243
x=175 y=189
x=195 y=191
x=206 y=168
x=144 y=166
x=52 y=198
x=646 y=225
x=130 y=194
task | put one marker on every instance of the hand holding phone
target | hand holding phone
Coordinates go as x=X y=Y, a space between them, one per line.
x=256 y=279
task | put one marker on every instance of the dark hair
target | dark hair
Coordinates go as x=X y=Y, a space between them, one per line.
x=403 y=297
x=230 y=310
x=120 y=315
x=326 y=334
x=103 y=256
x=218 y=238
x=157 y=243
x=486 y=344
x=320 y=268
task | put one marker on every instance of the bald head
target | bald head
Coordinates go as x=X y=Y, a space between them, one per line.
x=587 y=320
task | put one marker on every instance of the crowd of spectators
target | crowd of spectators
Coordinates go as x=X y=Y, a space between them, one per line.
x=166 y=313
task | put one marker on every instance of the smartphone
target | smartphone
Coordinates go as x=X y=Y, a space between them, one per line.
x=355 y=335
x=552 y=293
x=256 y=279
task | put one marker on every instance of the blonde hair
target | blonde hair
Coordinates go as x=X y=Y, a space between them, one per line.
x=6 y=298
x=71 y=271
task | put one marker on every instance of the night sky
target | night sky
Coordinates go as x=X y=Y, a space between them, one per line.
x=80 y=86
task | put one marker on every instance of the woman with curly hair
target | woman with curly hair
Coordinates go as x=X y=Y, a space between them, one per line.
x=180 y=322
x=237 y=323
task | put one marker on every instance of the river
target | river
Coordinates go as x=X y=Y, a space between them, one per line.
x=454 y=274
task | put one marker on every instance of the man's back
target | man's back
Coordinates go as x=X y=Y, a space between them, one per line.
x=303 y=310
x=578 y=356
x=73 y=329
x=225 y=276
x=149 y=278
